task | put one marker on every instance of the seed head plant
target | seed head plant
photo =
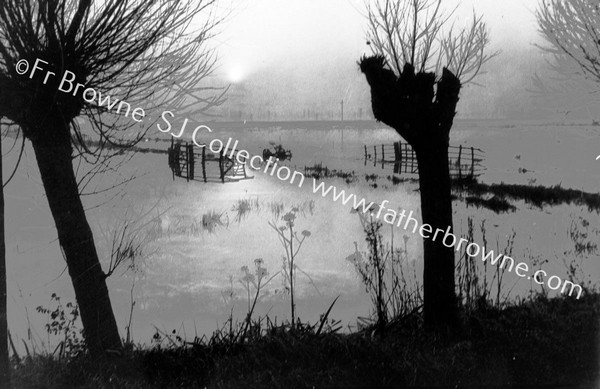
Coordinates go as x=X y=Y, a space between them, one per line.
x=291 y=243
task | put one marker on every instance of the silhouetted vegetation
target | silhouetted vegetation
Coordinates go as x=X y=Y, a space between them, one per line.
x=540 y=342
x=530 y=342
x=277 y=152
x=539 y=196
x=318 y=172
x=104 y=46
x=496 y=204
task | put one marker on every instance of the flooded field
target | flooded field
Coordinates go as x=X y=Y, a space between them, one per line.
x=197 y=237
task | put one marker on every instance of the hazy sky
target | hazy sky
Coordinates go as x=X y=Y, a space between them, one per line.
x=292 y=33
x=288 y=56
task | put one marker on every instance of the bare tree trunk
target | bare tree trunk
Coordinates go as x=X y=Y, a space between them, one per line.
x=76 y=239
x=436 y=210
x=423 y=116
x=4 y=361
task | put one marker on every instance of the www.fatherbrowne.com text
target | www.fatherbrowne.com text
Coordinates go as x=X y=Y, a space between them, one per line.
x=283 y=173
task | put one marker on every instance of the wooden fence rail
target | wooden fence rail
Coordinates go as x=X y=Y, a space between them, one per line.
x=185 y=160
x=463 y=161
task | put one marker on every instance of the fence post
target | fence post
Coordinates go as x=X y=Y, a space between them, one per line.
x=172 y=159
x=204 y=163
x=472 y=162
x=178 y=167
x=187 y=163
x=191 y=161
x=459 y=157
x=221 y=167
x=375 y=155
x=402 y=159
x=397 y=157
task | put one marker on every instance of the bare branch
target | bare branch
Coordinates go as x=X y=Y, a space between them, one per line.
x=572 y=31
x=126 y=241
x=153 y=54
x=413 y=32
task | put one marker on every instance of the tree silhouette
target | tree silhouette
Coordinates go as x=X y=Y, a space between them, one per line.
x=415 y=73
x=573 y=31
x=4 y=361
x=144 y=52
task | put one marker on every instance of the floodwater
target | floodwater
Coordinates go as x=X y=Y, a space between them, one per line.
x=198 y=236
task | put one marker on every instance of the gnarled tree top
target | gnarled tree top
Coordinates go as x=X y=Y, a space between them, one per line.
x=145 y=52
x=419 y=32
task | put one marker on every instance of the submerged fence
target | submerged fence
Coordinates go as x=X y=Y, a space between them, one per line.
x=463 y=161
x=191 y=163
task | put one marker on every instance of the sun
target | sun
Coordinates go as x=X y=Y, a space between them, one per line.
x=235 y=74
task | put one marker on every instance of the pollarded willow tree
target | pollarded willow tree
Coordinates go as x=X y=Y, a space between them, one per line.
x=150 y=53
x=420 y=61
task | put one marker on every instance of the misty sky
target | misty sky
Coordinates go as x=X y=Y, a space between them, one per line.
x=303 y=53
x=267 y=32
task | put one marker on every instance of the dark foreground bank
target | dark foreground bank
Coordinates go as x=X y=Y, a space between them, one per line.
x=541 y=342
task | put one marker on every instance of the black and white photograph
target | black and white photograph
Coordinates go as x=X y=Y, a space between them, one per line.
x=299 y=194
